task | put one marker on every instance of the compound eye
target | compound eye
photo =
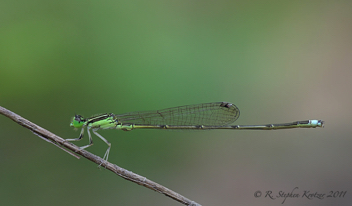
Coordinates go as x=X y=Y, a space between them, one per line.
x=79 y=118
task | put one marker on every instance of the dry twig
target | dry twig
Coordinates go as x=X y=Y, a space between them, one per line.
x=65 y=145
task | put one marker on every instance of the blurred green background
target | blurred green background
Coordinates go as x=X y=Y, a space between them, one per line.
x=278 y=61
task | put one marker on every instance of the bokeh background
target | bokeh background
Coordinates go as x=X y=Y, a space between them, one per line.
x=278 y=61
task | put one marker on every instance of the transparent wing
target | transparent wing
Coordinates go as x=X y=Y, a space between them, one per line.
x=216 y=113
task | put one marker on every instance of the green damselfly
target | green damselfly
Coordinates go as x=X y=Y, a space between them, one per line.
x=216 y=115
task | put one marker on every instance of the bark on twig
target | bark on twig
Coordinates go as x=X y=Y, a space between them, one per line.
x=65 y=145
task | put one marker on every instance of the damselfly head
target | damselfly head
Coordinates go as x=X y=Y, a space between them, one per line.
x=77 y=121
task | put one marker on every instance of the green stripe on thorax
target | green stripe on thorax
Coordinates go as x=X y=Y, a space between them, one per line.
x=104 y=121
